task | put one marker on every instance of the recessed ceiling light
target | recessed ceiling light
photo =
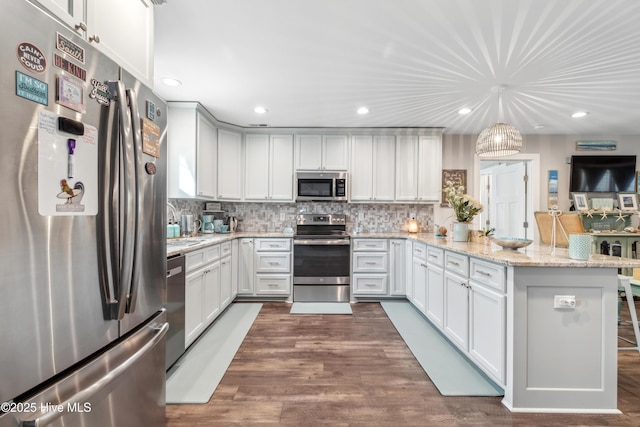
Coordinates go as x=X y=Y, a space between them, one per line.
x=260 y=110
x=539 y=126
x=579 y=114
x=464 y=110
x=363 y=110
x=170 y=81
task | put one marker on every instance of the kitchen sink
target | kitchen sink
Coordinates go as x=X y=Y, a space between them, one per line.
x=184 y=242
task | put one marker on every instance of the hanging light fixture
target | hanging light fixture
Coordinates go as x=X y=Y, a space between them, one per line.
x=500 y=139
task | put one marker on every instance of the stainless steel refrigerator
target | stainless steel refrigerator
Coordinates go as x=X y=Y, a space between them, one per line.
x=83 y=249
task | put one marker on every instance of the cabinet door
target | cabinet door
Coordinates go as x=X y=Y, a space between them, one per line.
x=361 y=174
x=407 y=168
x=435 y=294
x=384 y=168
x=193 y=321
x=487 y=335
x=131 y=48
x=309 y=152
x=397 y=268
x=235 y=256
x=71 y=12
x=181 y=152
x=207 y=150
x=456 y=309
x=256 y=177
x=281 y=168
x=335 y=152
x=429 y=168
x=419 y=284
x=245 y=267
x=408 y=268
x=226 y=287
x=211 y=294
x=229 y=165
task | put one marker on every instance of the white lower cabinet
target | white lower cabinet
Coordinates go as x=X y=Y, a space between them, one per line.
x=397 y=274
x=378 y=268
x=456 y=309
x=465 y=297
x=208 y=287
x=419 y=270
x=265 y=267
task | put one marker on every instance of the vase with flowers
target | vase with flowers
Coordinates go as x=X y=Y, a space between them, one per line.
x=465 y=208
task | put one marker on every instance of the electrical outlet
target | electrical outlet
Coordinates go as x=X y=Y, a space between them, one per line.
x=283 y=216
x=564 y=301
x=412 y=215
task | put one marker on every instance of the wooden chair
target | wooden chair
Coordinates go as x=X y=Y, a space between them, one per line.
x=568 y=223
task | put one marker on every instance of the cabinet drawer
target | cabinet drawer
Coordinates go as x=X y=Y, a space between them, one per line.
x=225 y=249
x=370 y=262
x=263 y=245
x=273 y=284
x=369 y=244
x=273 y=262
x=435 y=256
x=370 y=284
x=420 y=251
x=211 y=253
x=194 y=260
x=457 y=263
x=488 y=273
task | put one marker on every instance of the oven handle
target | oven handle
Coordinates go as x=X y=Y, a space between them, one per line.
x=321 y=242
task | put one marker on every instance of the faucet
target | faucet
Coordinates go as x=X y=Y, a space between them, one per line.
x=174 y=212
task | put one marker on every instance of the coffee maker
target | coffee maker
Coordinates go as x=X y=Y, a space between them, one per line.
x=207 y=223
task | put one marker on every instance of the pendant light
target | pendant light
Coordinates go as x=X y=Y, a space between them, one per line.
x=500 y=139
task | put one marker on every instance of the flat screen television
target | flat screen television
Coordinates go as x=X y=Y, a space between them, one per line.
x=602 y=174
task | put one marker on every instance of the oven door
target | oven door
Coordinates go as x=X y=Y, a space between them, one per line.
x=321 y=261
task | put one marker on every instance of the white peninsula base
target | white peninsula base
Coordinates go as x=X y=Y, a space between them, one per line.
x=562 y=359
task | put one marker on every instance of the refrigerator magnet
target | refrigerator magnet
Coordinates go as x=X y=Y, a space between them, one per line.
x=70 y=94
x=150 y=138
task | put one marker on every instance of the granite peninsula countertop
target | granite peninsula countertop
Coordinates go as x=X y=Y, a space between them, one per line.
x=531 y=256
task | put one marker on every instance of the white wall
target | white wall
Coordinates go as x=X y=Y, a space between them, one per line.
x=458 y=152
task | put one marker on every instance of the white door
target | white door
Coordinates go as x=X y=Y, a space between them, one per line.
x=505 y=196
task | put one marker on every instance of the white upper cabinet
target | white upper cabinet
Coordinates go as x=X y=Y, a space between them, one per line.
x=121 y=29
x=268 y=167
x=418 y=168
x=207 y=152
x=322 y=152
x=372 y=168
x=229 y=165
x=192 y=151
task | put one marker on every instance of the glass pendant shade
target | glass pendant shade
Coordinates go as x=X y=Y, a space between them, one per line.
x=499 y=140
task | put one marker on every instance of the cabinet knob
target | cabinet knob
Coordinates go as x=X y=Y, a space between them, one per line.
x=94 y=38
x=81 y=26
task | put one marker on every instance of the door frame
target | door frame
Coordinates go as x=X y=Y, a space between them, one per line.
x=534 y=181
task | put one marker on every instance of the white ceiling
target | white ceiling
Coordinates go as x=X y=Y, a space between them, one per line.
x=413 y=63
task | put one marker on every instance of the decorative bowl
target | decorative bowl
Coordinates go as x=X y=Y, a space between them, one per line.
x=514 y=243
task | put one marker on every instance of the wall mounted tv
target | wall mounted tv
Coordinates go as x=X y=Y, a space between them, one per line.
x=602 y=174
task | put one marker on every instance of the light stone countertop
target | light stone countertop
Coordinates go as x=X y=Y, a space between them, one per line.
x=530 y=256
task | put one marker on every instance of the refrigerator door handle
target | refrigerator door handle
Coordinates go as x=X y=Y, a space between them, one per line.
x=137 y=161
x=78 y=399
x=127 y=214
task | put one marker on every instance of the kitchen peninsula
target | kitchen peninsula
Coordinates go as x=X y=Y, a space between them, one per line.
x=542 y=327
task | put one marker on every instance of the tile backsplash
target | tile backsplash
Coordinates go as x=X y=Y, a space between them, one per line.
x=368 y=218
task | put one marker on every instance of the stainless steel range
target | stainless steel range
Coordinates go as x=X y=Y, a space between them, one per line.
x=321 y=254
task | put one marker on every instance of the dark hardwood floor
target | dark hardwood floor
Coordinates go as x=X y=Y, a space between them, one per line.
x=341 y=370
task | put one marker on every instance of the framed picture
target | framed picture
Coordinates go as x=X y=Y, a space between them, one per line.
x=627 y=201
x=457 y=176
x=580 y=201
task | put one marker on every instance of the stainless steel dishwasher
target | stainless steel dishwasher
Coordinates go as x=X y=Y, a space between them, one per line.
x=175 y=308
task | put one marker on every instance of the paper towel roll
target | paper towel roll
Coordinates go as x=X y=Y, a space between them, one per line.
x=579 y=246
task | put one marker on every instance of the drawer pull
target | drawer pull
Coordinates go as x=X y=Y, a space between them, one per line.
x=457 y=264
x=274 y=245
x=484 y=273
x=272 y=285
x=370 y=285
x=433 y=256
x=371 y=263
x=274 y=263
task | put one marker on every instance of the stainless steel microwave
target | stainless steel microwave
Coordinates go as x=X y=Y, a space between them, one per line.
x=321 y=186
